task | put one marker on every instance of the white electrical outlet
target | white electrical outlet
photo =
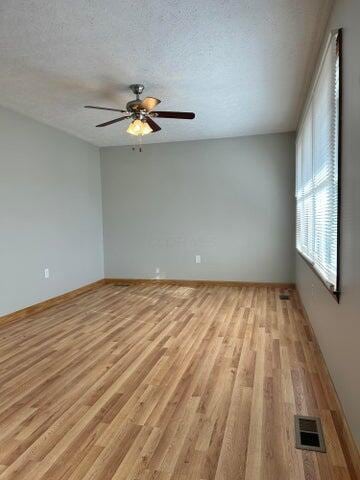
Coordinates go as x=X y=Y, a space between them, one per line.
x=157 y=270
x=46 y=273
x=197 y=258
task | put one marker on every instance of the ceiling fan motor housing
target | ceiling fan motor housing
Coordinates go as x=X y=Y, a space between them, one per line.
x=133 y=105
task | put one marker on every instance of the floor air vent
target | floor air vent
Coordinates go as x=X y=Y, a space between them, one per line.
x=284 y=296
x=309 y=434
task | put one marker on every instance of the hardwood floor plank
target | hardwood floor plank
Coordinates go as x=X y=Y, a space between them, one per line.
x=167 y=382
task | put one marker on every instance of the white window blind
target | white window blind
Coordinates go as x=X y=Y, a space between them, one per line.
x=317 y=156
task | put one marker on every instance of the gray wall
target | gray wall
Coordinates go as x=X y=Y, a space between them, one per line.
x=50 y=212
x=228 y=200
x=337 y=327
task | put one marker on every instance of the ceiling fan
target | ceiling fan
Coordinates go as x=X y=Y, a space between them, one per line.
x=142 y=113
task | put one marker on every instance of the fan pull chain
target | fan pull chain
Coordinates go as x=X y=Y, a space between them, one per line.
x=134 y=147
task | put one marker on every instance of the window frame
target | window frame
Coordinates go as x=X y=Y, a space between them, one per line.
x=335 y=292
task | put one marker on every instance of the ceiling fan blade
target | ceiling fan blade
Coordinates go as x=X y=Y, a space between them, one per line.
x=113 y=121
x=105 y=108
x=184 y=115
x=153 y=125
x=149 y=103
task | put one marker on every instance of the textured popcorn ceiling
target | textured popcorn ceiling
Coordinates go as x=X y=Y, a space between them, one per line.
x=241 y=65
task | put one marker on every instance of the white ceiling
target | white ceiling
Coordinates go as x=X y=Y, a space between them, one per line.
x=241 y=65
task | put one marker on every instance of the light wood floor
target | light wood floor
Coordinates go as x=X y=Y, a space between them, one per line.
x=148 y=382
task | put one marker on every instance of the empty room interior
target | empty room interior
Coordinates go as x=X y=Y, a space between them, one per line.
x=180 y=240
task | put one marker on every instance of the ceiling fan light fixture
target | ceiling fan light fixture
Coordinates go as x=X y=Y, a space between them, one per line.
x=146 y=129
x=139 y=128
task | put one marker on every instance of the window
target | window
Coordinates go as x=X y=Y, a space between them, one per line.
x=317 y=169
